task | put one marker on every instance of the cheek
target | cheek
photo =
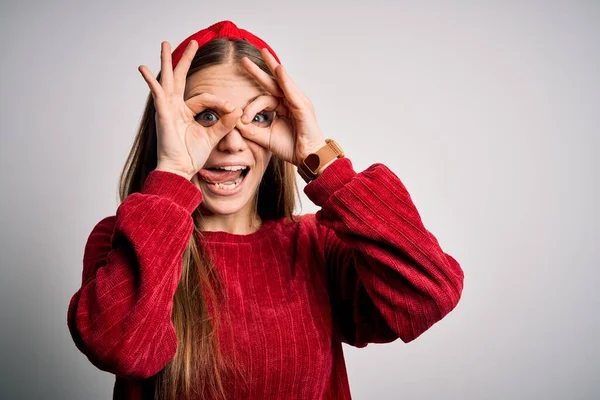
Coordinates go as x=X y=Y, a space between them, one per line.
x=266 y=158
x=262 y=157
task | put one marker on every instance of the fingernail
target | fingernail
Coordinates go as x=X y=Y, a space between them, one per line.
x=245 y=119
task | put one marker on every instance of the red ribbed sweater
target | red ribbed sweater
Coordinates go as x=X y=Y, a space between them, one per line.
x=362 y=269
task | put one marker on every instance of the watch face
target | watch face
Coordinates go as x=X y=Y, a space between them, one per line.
x=312 y=161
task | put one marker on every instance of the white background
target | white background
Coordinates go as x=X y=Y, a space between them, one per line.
x=487 y=111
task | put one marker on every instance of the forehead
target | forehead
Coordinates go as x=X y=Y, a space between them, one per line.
x=226 y=81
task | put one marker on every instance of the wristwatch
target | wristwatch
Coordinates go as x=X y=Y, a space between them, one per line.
x=311 y=166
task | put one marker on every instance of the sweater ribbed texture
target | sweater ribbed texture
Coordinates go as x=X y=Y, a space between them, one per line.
x=363 y=269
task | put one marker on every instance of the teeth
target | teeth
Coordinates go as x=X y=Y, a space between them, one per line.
x=233 y=168
x=229 y=185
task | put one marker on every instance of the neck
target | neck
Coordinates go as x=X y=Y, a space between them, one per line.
x=238 y=223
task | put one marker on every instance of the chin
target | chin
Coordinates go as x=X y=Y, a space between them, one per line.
x=222 y=206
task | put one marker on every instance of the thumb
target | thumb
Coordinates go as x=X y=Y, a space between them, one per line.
x=259 y=135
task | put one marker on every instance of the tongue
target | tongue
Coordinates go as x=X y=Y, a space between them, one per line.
x=219 y=175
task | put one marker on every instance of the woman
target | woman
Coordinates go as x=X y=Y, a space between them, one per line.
x=205 y=285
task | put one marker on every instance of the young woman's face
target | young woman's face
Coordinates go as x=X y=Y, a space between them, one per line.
x=231 y=190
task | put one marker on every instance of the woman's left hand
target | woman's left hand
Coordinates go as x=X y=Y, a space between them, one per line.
x=294 y=133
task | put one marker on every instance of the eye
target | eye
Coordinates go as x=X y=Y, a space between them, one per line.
x=207 y=117
x=264 y=118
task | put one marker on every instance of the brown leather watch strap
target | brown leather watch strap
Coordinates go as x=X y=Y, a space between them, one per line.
x=311 y=166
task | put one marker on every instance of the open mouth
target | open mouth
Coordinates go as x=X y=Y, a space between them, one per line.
x=224 y=178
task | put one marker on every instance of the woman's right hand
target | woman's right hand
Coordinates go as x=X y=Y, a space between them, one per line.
x=184 y=145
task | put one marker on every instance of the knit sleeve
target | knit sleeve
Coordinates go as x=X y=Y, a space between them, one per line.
x=120 y=317
x=388 y=276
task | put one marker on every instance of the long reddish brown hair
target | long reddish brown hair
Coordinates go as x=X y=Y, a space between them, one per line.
x=198 y=368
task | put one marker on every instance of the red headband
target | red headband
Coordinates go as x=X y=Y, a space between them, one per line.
x=222 y=29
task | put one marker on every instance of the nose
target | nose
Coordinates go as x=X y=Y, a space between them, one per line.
x=233 y=142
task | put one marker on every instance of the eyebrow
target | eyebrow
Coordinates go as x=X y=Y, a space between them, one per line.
x=249 y=101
